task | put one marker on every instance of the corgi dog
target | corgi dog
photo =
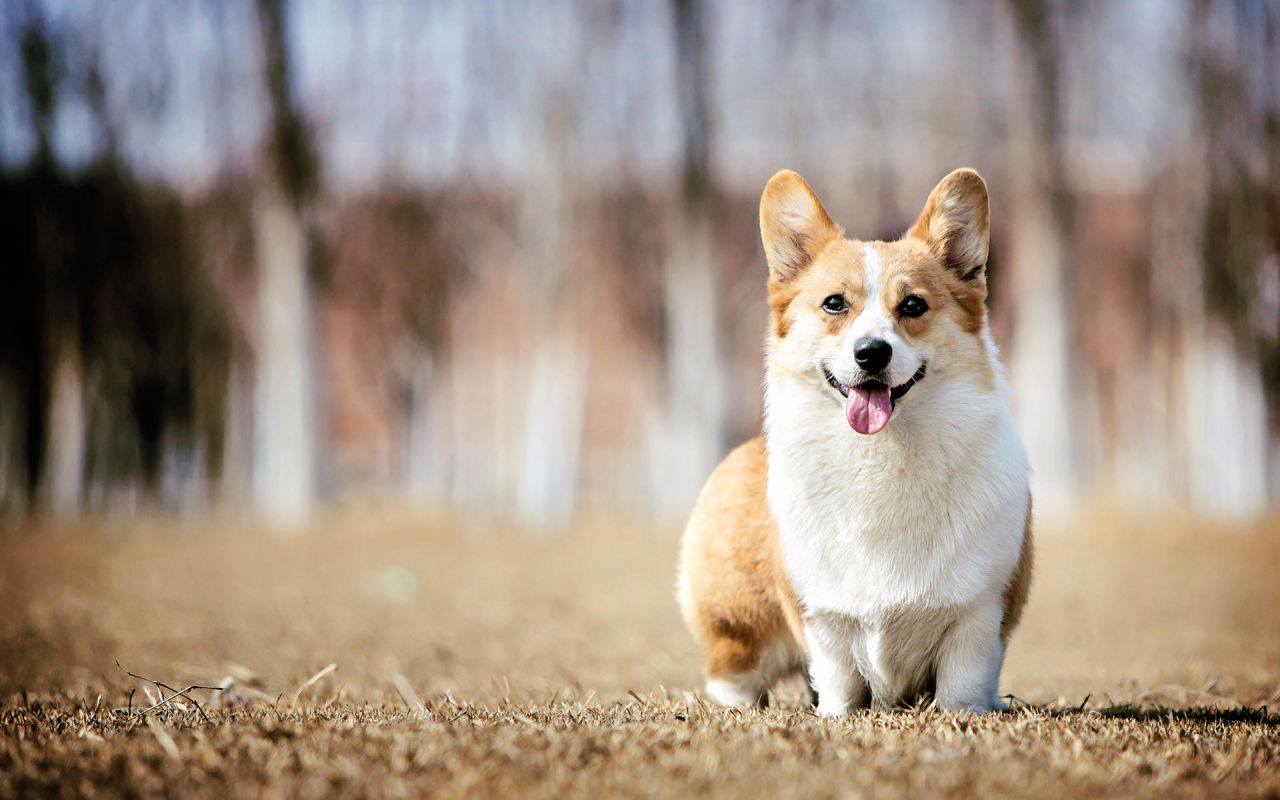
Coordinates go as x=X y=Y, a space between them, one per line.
x=879 y=533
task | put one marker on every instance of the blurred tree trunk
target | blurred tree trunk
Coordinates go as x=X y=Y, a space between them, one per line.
x=51 y=364
x=425 y=466
x=284 y=462
x=1229 y=339
x=691 y=439
x=1047 y=392
x=64 y=478
x=552 y=398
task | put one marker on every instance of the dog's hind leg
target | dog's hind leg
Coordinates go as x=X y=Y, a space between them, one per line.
x=734 y=669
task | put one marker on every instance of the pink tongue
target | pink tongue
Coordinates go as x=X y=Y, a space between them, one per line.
x=868 y=410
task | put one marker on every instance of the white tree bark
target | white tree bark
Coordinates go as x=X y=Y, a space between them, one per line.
x=1224 y=420
x=1050 y=402
x=688 y=445
x=284 y=431
x=550 y=451
x=1039 y=361
x=553 y=390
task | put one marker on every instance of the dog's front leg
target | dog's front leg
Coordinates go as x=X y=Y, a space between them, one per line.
x=832 y=672
x=969 y=661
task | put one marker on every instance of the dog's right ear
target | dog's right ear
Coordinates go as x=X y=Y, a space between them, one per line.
x=793 y=225
x=956 y=225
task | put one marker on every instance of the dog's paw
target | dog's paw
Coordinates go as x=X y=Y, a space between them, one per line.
x=832 y=710
x=993 y=705
x=739 y=691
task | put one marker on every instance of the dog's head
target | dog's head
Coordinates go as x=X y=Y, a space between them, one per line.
x=865 y=322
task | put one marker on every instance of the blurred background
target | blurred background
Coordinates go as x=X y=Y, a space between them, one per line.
x=502 y=257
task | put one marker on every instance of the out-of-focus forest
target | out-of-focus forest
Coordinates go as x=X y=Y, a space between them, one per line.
x=502 y=257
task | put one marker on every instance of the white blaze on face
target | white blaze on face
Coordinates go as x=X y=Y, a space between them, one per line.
x=872 y=323
x=868 y=409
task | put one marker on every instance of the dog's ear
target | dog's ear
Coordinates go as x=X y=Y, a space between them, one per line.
x=793 y=225
x=956 y=224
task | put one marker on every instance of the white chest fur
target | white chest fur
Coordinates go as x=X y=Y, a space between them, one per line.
x=929 y=512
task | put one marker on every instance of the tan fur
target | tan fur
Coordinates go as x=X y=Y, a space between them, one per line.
x=957 y=209
x=739 y=600
x=791 y=247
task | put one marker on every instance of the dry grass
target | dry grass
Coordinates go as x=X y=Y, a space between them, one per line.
x=483 y=663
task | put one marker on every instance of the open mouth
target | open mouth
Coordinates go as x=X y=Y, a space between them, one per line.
x=869 y=405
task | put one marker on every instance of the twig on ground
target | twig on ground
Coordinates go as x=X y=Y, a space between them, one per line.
x=1084 y=702
x=407 y=694
x=93 y=714
x=312 y=680
x=167 y=700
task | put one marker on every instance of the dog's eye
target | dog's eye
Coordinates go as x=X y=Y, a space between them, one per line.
x=912 y=306
x=835 y=304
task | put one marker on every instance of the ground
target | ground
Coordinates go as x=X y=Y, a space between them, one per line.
x=473 y=660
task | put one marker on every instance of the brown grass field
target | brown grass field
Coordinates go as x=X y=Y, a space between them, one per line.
x=480 y=662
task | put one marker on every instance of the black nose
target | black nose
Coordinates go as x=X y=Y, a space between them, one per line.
x=872 y=354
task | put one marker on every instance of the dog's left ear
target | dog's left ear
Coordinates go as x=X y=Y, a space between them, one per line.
x=956 y=224
x=793 y=225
